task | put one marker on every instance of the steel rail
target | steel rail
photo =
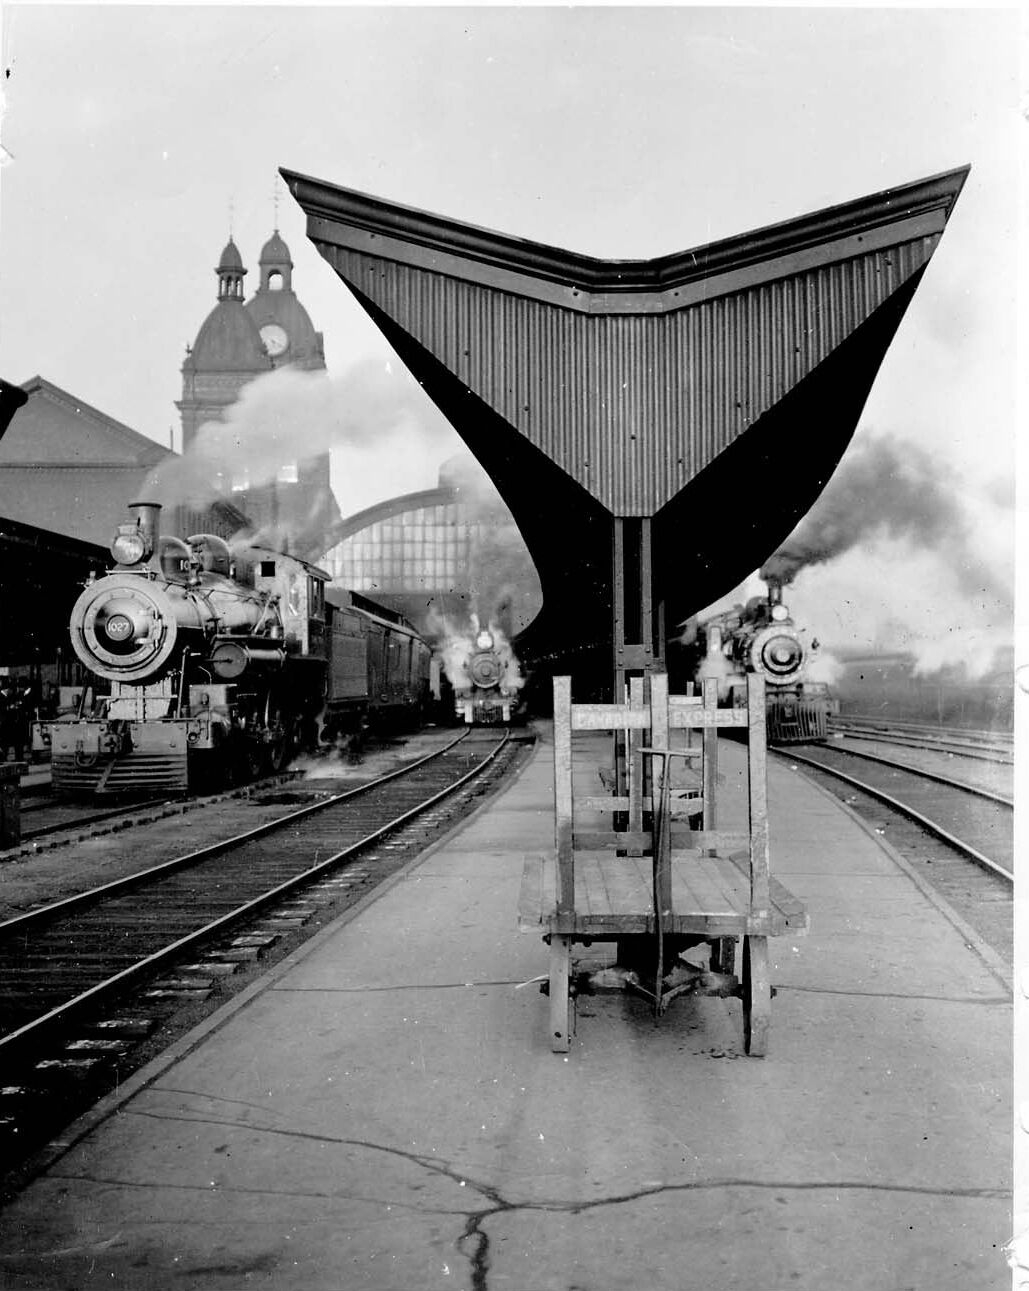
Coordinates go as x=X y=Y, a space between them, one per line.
x=931 y=728
x=928 y=775
x=966 y=849
x=83 y=899
x=998 y=749
x=81 y=822
x=144 y=967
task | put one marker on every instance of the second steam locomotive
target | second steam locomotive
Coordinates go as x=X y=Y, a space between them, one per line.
x=762 y=637
x=485 y=677
x=210 y=660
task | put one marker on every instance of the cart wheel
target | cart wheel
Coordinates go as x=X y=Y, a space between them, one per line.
x=757 y=996
x=560 y=999
x=723 y=955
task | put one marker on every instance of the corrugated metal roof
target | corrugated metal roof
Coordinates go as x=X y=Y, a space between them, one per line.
x=631 y=376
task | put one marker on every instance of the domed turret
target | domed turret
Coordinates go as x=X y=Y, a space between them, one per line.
x=276 y=265
x=230 y=273
x=228 y=341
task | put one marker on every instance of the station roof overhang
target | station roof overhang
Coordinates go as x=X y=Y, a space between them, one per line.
x=711 y=392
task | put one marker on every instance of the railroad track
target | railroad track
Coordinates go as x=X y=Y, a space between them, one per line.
x=989 y=746
x=936 y=828
x=84 y=982
x=48 y=817
x=966 y=818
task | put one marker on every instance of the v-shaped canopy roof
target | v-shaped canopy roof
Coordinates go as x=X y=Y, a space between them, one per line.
x=667 y=388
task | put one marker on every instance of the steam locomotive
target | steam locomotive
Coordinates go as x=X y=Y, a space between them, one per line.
x=762 y=637
x=486 y=679
x=211 y=663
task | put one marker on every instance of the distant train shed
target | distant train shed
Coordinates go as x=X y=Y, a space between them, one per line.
x=635 y=415
x=41 y=574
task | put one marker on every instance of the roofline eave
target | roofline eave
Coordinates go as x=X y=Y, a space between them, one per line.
x=926 y=203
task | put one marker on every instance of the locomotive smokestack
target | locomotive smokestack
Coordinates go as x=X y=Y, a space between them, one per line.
x=147 y=517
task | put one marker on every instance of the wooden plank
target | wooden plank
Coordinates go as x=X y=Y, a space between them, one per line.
x=704 y=839
x=608 y=717
x=560 y=1000
x=612 y=803
x=595 y=840
x=728 y=882
x=592 y=893
x=627 y=884
x=710 y=764
x=784 y=903
x=699 y=718
x=757 y=793
x=563 y=793
x=703 y=890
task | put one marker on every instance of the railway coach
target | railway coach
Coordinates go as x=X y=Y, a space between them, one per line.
x=210 y=663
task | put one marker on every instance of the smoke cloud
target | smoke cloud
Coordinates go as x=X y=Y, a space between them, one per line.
x=902 y=554
x=887 y=488
x=382 y=430
x=503 y=584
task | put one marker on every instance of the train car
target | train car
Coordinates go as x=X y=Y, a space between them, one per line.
x=486 y=680
x=209 y=663
x=761 y=637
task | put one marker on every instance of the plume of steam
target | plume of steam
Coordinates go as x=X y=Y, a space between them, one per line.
x=823 y=666
x=374 y=411
x=885 y=488
x=904 y=566
x=454 y=642
x=717 y=665
x=503 y=584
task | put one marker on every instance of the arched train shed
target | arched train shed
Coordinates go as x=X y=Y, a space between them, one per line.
x=657 y=427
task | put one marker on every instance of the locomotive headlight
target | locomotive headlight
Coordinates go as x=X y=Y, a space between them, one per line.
x=780 y=612
x=484 y=641
x=129 y=548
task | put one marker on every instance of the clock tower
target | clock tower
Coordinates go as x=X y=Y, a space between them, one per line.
x=238 y=342
x=283 y=323
x=226 y=355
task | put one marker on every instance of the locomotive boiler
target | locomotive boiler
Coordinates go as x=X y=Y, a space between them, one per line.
x=210 y=662
x=762 y=637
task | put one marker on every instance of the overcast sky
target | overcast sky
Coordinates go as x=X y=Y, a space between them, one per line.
x=137 y=136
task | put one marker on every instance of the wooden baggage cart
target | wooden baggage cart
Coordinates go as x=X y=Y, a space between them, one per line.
x=669 y=879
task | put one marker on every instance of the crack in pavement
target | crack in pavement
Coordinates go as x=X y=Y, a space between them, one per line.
x=473 y=1244
x=896 y=995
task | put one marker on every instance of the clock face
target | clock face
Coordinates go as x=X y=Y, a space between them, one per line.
x=275 y=339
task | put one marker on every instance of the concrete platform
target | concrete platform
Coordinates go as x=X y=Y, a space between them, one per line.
x=384 y=1111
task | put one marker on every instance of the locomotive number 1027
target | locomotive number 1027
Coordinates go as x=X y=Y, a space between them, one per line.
x=210 y=662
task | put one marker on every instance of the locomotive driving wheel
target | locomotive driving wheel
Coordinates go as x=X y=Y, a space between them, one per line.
x=277 y=733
